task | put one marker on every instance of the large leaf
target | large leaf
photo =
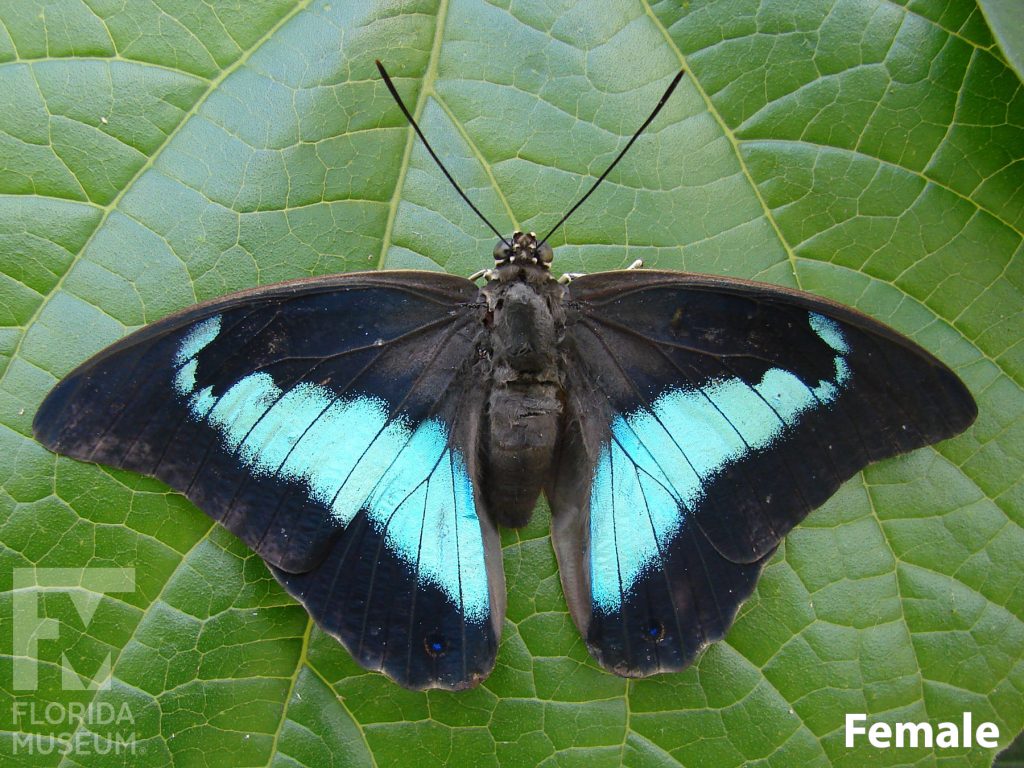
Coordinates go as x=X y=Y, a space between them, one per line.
x=155 y=153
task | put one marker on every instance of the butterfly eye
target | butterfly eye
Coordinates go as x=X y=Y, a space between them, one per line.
x=544 y=253
x=435 y=646
x=501 y=252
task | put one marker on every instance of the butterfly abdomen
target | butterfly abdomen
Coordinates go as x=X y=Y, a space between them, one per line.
x=524 y=404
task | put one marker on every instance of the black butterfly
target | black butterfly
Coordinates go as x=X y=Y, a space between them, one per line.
x=367 y=433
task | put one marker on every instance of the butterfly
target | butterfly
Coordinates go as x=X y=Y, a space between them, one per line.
x=367 y=434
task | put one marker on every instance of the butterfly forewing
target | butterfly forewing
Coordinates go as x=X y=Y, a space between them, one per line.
x=324 y=423
x=711 y=416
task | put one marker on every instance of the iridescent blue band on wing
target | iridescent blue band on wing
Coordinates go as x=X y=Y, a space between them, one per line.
x=351 y=454
x=660 y=460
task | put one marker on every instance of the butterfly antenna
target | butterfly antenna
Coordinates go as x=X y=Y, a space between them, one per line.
x=625 y=149
x=433 y=154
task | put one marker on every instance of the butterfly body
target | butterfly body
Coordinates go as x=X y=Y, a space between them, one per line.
x=522 y=362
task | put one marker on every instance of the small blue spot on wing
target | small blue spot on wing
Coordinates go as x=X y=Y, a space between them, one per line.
x=198 y=338
x=830 y=332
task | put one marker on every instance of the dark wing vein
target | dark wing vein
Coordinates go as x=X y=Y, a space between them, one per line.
x=673 y=344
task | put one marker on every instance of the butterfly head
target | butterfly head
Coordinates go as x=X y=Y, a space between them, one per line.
x=523 y=248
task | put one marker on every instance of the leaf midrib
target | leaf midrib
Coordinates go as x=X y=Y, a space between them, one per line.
x=426 y=88
x=729 y=135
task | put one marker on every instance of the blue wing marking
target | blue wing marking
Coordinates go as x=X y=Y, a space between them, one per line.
x=185 y=359
x=350 y=455
x=659 y=460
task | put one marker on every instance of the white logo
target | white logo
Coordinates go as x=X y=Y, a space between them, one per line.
x=85 y=587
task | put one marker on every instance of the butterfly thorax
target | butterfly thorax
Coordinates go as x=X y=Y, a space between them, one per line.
x=523 y=327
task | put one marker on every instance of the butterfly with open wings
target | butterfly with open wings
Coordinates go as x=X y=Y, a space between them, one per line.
x=367 y=434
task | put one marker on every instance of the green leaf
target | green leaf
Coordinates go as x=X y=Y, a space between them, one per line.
x=1004 y=19
x=156 y=154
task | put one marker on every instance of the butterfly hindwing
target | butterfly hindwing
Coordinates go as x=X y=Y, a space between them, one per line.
x=324 y=423
x=392 y=576
x=659 y=616
x=711 y=416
